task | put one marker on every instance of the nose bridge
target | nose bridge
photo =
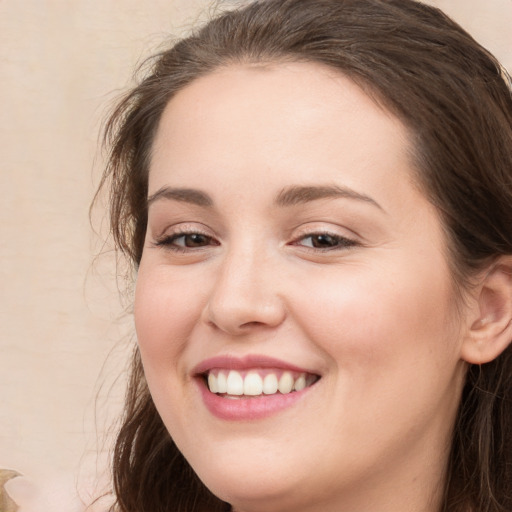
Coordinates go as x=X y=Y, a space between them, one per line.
x=245 y=293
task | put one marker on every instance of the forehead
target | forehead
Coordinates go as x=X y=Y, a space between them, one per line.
x=286 y=121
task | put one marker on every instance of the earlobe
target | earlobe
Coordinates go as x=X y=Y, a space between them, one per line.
x=491 y=332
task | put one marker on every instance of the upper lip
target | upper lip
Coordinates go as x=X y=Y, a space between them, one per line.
x=246 y=363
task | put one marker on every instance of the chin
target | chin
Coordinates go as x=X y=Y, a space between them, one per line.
x=249 y=486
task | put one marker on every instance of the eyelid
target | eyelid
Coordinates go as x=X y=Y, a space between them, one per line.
x=328 y=228
x=182 y=227
x=169 y=234
x=168 y=239
x=347 y=241
x=344 y=242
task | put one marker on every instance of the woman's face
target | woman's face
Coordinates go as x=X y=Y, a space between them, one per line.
x=291 y=262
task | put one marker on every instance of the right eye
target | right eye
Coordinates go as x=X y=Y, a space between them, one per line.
x=186 y=241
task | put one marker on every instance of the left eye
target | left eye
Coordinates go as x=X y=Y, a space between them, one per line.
x=325 y=241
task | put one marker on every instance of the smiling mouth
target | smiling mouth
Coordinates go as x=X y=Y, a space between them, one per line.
x=236 y=384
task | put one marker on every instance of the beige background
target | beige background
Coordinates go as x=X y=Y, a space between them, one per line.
x=61 y=64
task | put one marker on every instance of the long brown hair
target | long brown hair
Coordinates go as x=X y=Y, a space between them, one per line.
x=456 y=101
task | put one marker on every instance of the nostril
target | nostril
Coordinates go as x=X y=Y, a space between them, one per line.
x=244 y=315
x=251 y=324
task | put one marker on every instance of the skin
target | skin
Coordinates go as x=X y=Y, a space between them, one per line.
x=376 y=317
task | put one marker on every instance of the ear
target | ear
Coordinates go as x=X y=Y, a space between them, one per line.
x=491 y=332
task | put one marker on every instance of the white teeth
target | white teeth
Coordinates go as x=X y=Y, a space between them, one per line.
x=235 y=383
x=270 y=384
x=253 y=384
x=286 y=383
x=300 y=383
x=212 y=383
x=222 y=383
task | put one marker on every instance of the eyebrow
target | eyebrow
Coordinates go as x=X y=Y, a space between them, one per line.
x=289 y=196
x=187 y=195
x=292 y=196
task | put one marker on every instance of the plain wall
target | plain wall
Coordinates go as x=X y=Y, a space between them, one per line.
x=61 y=64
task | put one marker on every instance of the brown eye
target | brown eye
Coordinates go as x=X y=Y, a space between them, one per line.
x=325 y=241
x=184 y=241
x=192 y=240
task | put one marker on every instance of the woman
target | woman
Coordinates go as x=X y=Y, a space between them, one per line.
x=315 y=195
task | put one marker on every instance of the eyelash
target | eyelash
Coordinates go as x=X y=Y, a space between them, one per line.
x=169 y=241
x=338 y=242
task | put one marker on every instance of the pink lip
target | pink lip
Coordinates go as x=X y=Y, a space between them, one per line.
x=250 y=408
x=245 y=363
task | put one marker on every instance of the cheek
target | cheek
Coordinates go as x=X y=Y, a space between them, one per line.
x=392 y=346
x=375 y=321
x=166 y=309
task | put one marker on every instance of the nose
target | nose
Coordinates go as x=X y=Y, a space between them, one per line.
x=245 y=295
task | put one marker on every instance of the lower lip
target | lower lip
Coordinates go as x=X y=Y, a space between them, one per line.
x=247 y=409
